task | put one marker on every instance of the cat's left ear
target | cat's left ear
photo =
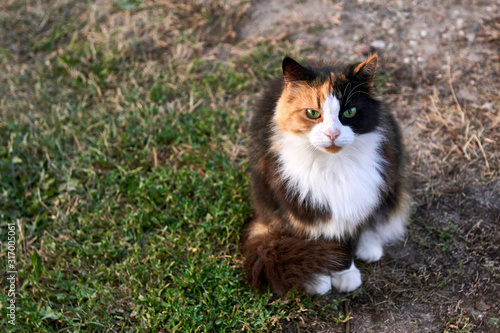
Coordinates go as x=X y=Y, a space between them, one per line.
x=367 y=68
x=293 y=71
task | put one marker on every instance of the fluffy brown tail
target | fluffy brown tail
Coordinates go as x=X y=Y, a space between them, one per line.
x=285 y=262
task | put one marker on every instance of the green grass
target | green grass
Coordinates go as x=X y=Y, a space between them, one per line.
x=125 y=171
x=445 y=232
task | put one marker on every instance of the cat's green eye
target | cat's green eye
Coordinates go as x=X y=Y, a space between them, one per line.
x=349 y=113
x=313 y=114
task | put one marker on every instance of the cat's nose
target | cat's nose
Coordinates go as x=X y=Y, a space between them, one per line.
x=332 y=134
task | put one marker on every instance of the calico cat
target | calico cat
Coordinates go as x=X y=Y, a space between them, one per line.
x=329 y=179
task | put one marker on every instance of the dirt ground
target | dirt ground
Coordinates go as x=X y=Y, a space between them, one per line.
x=439 y=65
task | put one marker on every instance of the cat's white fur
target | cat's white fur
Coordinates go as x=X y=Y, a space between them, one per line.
x=348 y=182
x=319 y=285
x=371 y=241
x=347 y=280
x=344 y=281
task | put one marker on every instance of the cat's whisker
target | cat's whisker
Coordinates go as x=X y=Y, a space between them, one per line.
x=354 y=90
x=360 y=84
x=359 y=91
x=348 y=86
x=309 y=149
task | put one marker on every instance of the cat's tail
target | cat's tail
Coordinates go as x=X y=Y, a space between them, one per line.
x=284 y=262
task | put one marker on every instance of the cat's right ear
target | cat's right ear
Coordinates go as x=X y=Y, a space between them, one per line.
x=293 y=71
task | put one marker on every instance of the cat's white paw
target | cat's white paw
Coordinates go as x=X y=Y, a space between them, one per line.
x=370 y=247
x=348 y=280
x=320 y=284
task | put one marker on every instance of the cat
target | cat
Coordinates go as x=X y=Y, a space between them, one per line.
x=328 y=178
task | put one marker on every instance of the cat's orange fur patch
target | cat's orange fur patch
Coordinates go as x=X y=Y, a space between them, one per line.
x=301 y=229
x=403 y=207
x=369 y=66
x=296 y=98
x=333 y=149
x=261 y=165
x=258 y=229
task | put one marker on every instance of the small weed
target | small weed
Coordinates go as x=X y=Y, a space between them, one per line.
x=460 y=323
x=444 y=233
x=316 y=29
x=128 y=4
x=383 y=80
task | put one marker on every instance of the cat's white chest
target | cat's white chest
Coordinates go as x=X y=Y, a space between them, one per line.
x=347 y=182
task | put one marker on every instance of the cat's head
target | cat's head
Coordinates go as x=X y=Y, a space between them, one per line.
x=328 y=106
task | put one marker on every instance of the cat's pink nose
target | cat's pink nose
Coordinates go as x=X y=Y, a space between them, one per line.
x=332 y=134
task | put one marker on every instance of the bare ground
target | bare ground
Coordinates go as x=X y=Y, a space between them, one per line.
x=440 y=67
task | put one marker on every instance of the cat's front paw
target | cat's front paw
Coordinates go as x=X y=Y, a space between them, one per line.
x=369 y=247
x=348 y=280
x=369 y=254
x=320 y=284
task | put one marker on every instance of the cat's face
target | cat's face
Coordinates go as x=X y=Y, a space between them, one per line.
x=328 y=106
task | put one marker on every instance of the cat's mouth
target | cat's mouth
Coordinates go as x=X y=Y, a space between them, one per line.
x=333 y=149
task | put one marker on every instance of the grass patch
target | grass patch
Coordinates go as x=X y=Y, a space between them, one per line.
x=445 y=232
x=460 y=323
x=123 y=165
x=316 y=29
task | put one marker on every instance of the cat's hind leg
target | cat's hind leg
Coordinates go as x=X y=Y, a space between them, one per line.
x=370 y=246
x=371 y=242
x=319 y=284
x=346 y=280
x=343 y=281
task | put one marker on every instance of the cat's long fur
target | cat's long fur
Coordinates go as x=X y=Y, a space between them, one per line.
x=320 y=199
